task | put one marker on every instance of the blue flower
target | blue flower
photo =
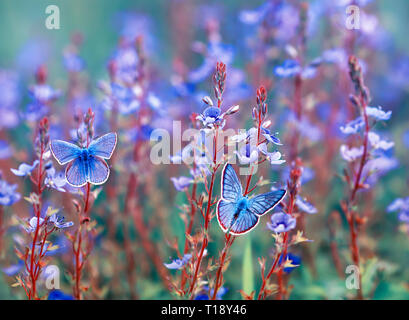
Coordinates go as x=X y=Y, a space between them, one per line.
x=215 y=51
x=126 y=61
x=181 y=183
x=9 y=99
x=125 y=98
x=178 y=263
x=59 y=295
x=53 y=179
x=353 y=126
x=247 y=154
x=305 y=206
x=8 y=194
x=58 y=222
x=288 y=69
x=5 y=150
x=272 y=157
x=295 y=260
x=406 y=138
x=73 y=62
x=13 y=269
x=24 y=169
x=270 y=137
x=44 y=93
x=281 y=222
x=252 y=17
x=32 y=224
x=204 y=294
x=211 y=116
x=401 y=205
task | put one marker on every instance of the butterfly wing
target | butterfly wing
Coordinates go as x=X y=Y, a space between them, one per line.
x=63 y=151
x=231 y=187
x=244 y=222
x=103 y=146
x=76 y=173
x=98 y=171
x=225 y=213
x=263 y=203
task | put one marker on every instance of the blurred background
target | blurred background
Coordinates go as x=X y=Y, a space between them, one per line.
x=182 y=40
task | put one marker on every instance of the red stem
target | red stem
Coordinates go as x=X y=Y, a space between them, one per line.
x=37 y=211
x=78 y=252
x=206 y=224
x=351 y=215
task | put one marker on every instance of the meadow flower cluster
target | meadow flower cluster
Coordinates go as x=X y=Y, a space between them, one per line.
x=212 y=151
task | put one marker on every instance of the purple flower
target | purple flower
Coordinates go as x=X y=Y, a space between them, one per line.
x=377 y=167
x=401 y=205
x=306 y=128
x=154 y=102
x=13 y=269
x=353 y=126
x=307 y=175
x=178 y=263
x=288 y=69
x=406 y=138
x=5 y=150
x=126 y=61
x=8 y=194
x=281 y=222
x=270 y=137
x=252 y=17
x=126 y=99
x=9 y=99
x=44 y=93
x=73 y=62
x=181 y=183
x=24 y=169
x=58 y=222
x=305 y=206
x=215 y=51
x=337 y=56
x=211 y=116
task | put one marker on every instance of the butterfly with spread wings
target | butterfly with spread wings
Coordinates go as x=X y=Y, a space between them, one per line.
x=85 y=164
x=237 y=214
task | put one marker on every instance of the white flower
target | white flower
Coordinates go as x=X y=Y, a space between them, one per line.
x=273 y=157
x=377 y=143
x=351 y=154
x=247 y=155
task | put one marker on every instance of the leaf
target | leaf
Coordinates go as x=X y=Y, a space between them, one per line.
x=300 y=238
x=33 y=199
x=247 y=271
x=51 y=211
x=245 y=296
x=289 y=264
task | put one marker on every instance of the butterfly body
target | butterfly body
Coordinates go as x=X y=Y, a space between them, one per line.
x=237 y=214
x=85 y=164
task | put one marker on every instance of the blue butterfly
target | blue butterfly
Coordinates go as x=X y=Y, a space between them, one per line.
x=237 y=214
x=85 y=164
